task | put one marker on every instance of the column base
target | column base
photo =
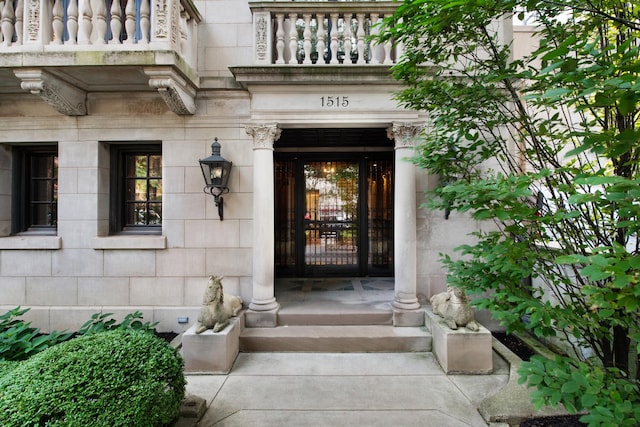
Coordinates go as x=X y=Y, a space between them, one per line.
x=408 y=317
x=406 y=304
x=262 y=318
x=264 y=305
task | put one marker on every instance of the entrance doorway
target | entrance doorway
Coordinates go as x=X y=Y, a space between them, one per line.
x=333 y=213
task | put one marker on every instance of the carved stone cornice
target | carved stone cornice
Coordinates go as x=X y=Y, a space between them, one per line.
x=264 y=135
x=62 y=96
x=405 y=134
x=175 y=91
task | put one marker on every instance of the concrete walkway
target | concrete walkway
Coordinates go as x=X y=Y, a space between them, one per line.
x=344 y=389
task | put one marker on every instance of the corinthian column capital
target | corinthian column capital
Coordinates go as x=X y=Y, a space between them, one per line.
x=264 y=135
x=405 y=134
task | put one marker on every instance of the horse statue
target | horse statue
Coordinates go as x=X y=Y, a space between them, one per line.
x=217 y=307
x=453 y=306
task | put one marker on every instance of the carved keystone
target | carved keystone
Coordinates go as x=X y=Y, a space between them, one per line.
x=62 y=96
x=179 y=96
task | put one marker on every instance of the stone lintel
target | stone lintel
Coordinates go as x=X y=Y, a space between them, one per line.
x=175 y=91
x=209 y=352
x=461 y=351
x=64 y=97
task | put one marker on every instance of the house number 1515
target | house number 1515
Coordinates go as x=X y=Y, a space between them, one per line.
x=334 y=101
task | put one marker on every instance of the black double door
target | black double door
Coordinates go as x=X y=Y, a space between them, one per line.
x=334 y=214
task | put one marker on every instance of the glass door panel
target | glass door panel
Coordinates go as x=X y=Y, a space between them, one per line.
x=331 y=214
x=285 y=215
x=380 y=216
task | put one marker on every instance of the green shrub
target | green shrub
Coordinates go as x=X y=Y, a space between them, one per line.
x=115 y=378
x=18 y=340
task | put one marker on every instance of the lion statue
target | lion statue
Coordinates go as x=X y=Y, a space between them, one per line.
x=217 y=307
x=453 y=306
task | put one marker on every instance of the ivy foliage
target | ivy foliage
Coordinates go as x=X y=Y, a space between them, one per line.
x=115 y=378
x=544 y=150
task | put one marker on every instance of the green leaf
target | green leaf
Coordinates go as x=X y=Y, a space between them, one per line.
x=627 y=103
x=571 y=259
x=535 y=379
x=570 y=387
x=588 y=400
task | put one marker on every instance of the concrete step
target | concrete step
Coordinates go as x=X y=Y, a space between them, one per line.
x=335 y=313
x=338 y=339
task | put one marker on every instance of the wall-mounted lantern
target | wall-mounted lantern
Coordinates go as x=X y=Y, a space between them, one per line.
x=216 y=170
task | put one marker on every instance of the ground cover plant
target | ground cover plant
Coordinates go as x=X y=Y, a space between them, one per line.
x=120 y=377
x=545 y=151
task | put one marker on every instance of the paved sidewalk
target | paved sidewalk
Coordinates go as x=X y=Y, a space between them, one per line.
x=344 y=389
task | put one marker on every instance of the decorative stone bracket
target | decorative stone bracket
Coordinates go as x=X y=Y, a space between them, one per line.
x=62 y=96
x=176 y=92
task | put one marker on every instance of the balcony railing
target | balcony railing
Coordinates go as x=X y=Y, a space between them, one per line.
x=321 y=32
x=68 y=25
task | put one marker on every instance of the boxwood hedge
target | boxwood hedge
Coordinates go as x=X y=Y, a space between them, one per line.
x=115 y=378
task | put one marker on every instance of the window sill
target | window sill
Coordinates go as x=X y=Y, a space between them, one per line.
x=130 y=242
x=30 y=242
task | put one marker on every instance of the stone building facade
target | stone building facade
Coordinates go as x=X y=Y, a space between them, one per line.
x=101 y=192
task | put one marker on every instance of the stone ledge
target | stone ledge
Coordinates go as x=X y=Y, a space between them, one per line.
x=129 y=242
x=461 y=351
x=31 y=242
x=209 y=352
x=512 y=404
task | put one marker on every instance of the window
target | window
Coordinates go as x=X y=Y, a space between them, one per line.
x=136 y=189
x=35 y=189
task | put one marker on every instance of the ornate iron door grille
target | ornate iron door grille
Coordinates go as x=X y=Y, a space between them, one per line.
x=334 y=217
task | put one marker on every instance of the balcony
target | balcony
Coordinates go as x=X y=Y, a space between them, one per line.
x=318 y=41
x=61 y=50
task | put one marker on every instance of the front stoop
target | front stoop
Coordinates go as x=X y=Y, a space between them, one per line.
x=337 y=339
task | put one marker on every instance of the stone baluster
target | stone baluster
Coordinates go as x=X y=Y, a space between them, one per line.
x=307 y=38
x=387 y=50
x=72 y=21
x=19 y=21
x=116 y=22
x=58 y=22
x=1 y=15
x=360 y=43
x=101 y=22
x=184 y=31
x=347 y=38
x=7 y=22
x=398 y=50
x=280 y=38
x=293 y=39
x=86 y=26
x=145 y=24
x=130 y=21
x=334 y=38
x=376 y=54
x=322 y=35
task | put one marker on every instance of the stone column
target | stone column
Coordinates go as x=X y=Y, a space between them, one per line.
x=407 y=309
x=263 y=307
